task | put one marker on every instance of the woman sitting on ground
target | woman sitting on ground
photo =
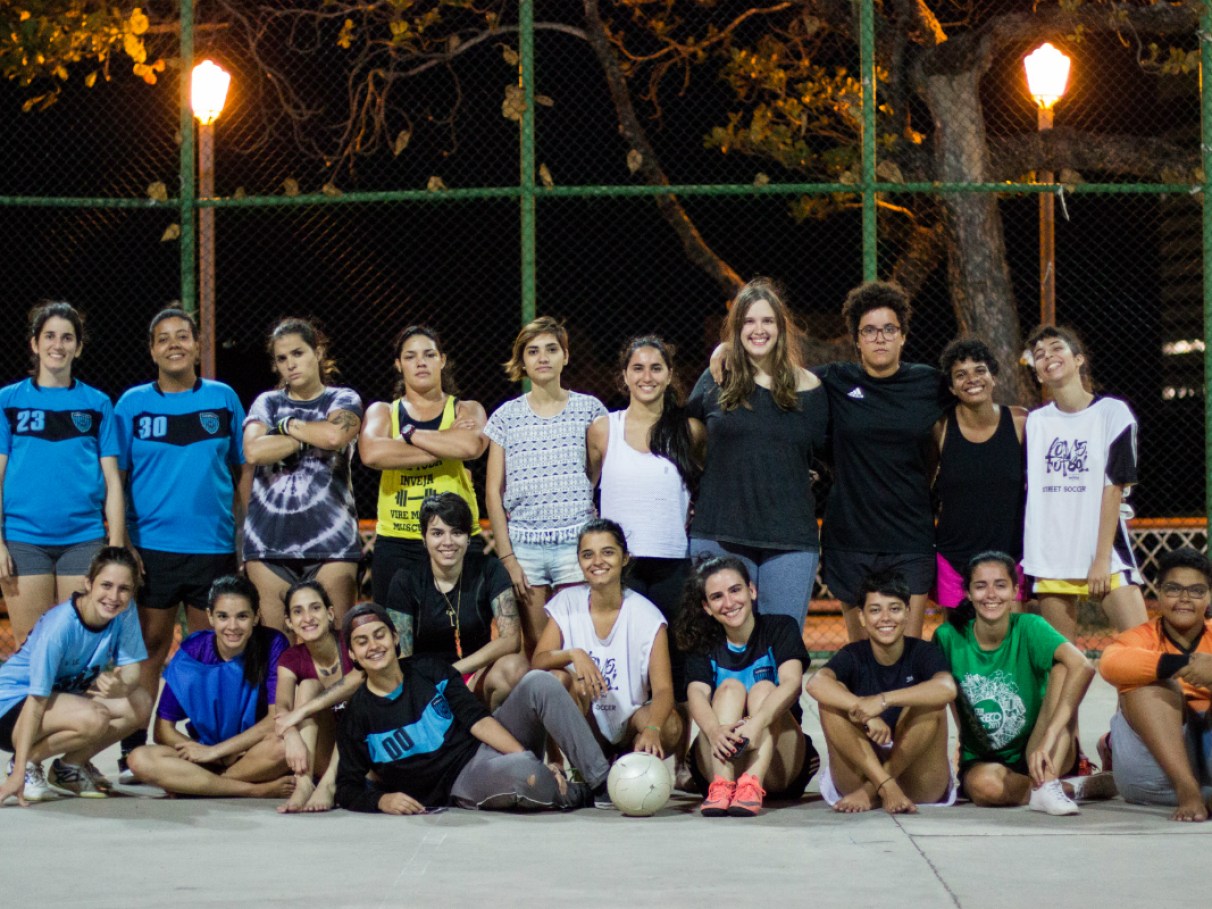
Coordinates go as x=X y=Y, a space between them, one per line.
x=883 y=710
x=448 y=606
x=415 y=738
x=744 y=672
x=223 y=684
x=610 y=647
x=318 y=666
x=1020 y=684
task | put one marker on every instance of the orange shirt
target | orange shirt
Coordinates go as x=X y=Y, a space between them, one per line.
x=1130 y=660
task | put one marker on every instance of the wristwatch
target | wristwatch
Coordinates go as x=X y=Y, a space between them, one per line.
x=406 y=432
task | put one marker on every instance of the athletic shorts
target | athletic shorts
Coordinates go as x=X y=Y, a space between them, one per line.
x=294 y=570
x=390 y=555
x=8 y=725
x=949 y=583
x=1076 y=587
x=62 y=561
x=832 y=795
x=791 y=792
x=844 y=571
x=181 y=577
x=549 y=564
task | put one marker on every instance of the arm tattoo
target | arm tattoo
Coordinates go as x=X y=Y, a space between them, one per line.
x=343 y=419
x=505 y=609
x=403 y=623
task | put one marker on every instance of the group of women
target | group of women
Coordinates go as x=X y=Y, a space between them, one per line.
x=182 y=476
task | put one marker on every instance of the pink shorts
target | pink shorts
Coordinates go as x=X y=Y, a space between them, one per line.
x=949 y=583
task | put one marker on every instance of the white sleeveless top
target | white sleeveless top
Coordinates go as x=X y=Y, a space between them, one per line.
x=646 y=495
x=623 y=657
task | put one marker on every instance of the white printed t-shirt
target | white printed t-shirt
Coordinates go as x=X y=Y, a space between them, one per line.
x=622 y=658
x=1071 y=457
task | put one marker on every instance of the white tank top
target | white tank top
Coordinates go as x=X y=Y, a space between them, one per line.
x=622 y=658
x=646 y=495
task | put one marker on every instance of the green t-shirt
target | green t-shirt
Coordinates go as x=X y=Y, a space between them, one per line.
x=1000 y=691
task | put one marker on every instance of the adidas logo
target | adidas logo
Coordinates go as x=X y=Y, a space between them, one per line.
x=856 y=393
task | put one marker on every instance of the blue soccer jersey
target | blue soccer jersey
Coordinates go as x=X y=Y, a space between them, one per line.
x=64 y=654
x=54 y=438
x=179 y=451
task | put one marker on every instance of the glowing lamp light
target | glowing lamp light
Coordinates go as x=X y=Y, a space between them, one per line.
x=208 y=91
x=1047 y=74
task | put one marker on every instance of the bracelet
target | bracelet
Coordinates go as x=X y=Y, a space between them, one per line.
x=283 y=426
x=882 y=785
x=883 y=701
x=653 y=728
x=508 y=555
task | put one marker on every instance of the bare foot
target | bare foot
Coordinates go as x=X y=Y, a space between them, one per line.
x=1191 y=809
x=895 y=801
x=323 y=799
x=856 y=802
x=304 y=788
x=280 y=788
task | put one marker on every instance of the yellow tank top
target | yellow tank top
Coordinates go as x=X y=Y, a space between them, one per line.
x=401 y=492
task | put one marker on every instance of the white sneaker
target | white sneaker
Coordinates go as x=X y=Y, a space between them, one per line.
x=36 y=787
x=1095 y=786
x=1050 y=798
x=74 y=780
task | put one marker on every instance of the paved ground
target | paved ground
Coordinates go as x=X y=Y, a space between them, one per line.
x=134 y=852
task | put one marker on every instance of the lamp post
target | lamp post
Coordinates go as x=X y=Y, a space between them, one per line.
x=1047 y=77
x=208 y=91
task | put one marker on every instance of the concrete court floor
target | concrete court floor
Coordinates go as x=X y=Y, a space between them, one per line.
x=136 y=852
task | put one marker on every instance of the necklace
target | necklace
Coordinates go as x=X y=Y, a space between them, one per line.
x=452 y=612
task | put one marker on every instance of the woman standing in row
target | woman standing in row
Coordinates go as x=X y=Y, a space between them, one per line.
x=420 y=441
x=538 y=493
x=302 y=522
x=765 y=424
x=62 y=493
x=648 y=458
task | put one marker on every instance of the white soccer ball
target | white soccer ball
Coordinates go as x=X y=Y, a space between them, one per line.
x=639 y=784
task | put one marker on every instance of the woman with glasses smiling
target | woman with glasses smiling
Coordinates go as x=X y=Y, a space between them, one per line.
x=882 y=415
x=1159 y=748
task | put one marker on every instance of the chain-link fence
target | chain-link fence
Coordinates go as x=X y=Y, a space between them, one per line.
x=367 y=173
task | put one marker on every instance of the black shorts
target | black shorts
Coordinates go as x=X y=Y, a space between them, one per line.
x=843 y=571
x=292 y=571
x=789 y=793
x=181 y=577
x=8 y=724
x=391 y=554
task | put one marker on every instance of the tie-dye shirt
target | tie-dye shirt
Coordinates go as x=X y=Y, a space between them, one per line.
x=303 y=507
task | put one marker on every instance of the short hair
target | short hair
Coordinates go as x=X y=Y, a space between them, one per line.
x=361 y=610
x=887 y=583
x=876 y=295
x=1184 y=557
x=171 y=312
x=450 y=507
x=515 y=366
x=1069 y=336
x=967 y=349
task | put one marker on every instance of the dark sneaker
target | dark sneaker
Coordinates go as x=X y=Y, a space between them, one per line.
x=719 y=798
x=747 y=800
x=74 y=780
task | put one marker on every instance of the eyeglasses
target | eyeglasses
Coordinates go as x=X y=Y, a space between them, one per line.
x=889 y=331
x=1178 y=591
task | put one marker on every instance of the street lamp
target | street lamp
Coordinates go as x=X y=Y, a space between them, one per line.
x=1047 y=77
x=208 y=91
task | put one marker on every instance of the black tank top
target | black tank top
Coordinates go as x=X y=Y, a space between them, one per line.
x=981 y=493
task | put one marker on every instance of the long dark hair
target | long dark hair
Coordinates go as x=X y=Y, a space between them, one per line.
x=669 y=437
x=965 y=612
x=315 y=587
x=693 y=629
x=256 y=651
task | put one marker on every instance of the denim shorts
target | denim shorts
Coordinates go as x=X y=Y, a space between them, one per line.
x=549 y=564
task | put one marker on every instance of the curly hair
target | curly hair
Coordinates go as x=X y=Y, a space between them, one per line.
x=694 y=630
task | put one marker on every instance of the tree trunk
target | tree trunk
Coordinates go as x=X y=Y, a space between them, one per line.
x=981 y=293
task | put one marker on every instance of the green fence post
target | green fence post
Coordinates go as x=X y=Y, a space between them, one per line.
x=188 y=194
x=526 y=79
x=1205 y=67
x=867 y=63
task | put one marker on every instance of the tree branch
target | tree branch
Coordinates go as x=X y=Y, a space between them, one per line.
x=695 y=247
